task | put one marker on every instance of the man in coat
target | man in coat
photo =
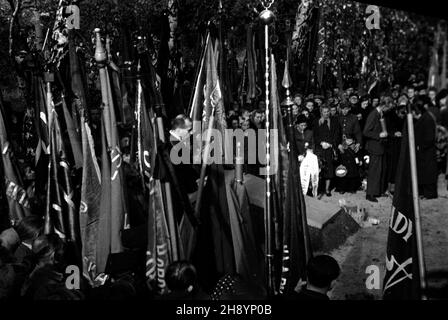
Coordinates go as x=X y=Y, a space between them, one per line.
x=351 y=143
x=425 y=145
x=327 y=139
x=375 y=147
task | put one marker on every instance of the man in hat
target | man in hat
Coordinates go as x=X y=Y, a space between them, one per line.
x=351 y=143
x=375 y=138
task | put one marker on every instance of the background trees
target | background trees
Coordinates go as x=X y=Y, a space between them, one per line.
x=400 y=47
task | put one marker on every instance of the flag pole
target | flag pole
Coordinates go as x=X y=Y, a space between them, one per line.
x=267 y=16
x=172 y=226
x=418 y=233
x=48 y=224
x=101 y=61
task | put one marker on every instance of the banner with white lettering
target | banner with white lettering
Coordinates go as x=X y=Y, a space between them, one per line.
x=401 y=281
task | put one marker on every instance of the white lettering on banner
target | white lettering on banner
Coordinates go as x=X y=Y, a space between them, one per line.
x=400 y=224
x=150 y=266
x=161 y=252
x=400 y=274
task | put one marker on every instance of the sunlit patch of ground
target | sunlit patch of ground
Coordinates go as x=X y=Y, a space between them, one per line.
x=368 y=245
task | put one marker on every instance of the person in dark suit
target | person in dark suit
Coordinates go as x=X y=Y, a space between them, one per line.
x=375 y=148
x=28 y=229
x=322 y=271
x=425 y=145
x=395 y=120
x=327 y=139
x=351 y=143
x=302 y=136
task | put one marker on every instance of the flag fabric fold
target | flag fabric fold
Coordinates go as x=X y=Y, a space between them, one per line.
x=296 y=249
x=18 y=203
x=402 y=279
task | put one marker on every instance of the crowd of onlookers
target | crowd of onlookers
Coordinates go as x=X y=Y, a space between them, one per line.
x=357 y=139
x=34 y=266
x=354 y=138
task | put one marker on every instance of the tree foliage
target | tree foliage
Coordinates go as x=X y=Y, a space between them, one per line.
x=400 y=47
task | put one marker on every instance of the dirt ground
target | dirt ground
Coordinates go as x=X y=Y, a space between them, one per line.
x=368 y=245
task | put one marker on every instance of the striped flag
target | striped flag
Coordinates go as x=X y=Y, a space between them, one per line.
x=18 y=204
x=41 y=117
x=113 y=209
x=158 y=248
x=91 y=176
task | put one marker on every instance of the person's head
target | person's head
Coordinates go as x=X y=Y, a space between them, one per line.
x=301 y=123
x=411 y=92
x=180 y=276
x=395 y=93
x=234 y=122
x=333 y=111
x=298 y=99
x=420 y=106
x=325 y=112
x=245 y=124
x=432 y=93
x=29 y=228
x=387 y=103
x=365 y=102
x=322 y=270
x=9 y=239
x=295 y=110
x=401 y=111
x=49 y=249
x=345 y=109
x=309 y=105
x=318 y=100
x=245 y=114
x=353 y=99
x=258 y=117
x=375 y=102
x=179 y=126
x=306 y=113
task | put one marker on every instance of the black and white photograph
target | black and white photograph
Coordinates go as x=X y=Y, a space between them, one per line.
x=223 y=157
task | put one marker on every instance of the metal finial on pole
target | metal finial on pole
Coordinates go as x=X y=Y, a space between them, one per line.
x=267 y=17
x=101 y=61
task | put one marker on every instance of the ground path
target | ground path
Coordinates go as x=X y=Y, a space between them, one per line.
x=368 y=245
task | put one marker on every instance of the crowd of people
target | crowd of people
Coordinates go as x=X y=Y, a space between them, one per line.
x=34 y=266
x=357 y=139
